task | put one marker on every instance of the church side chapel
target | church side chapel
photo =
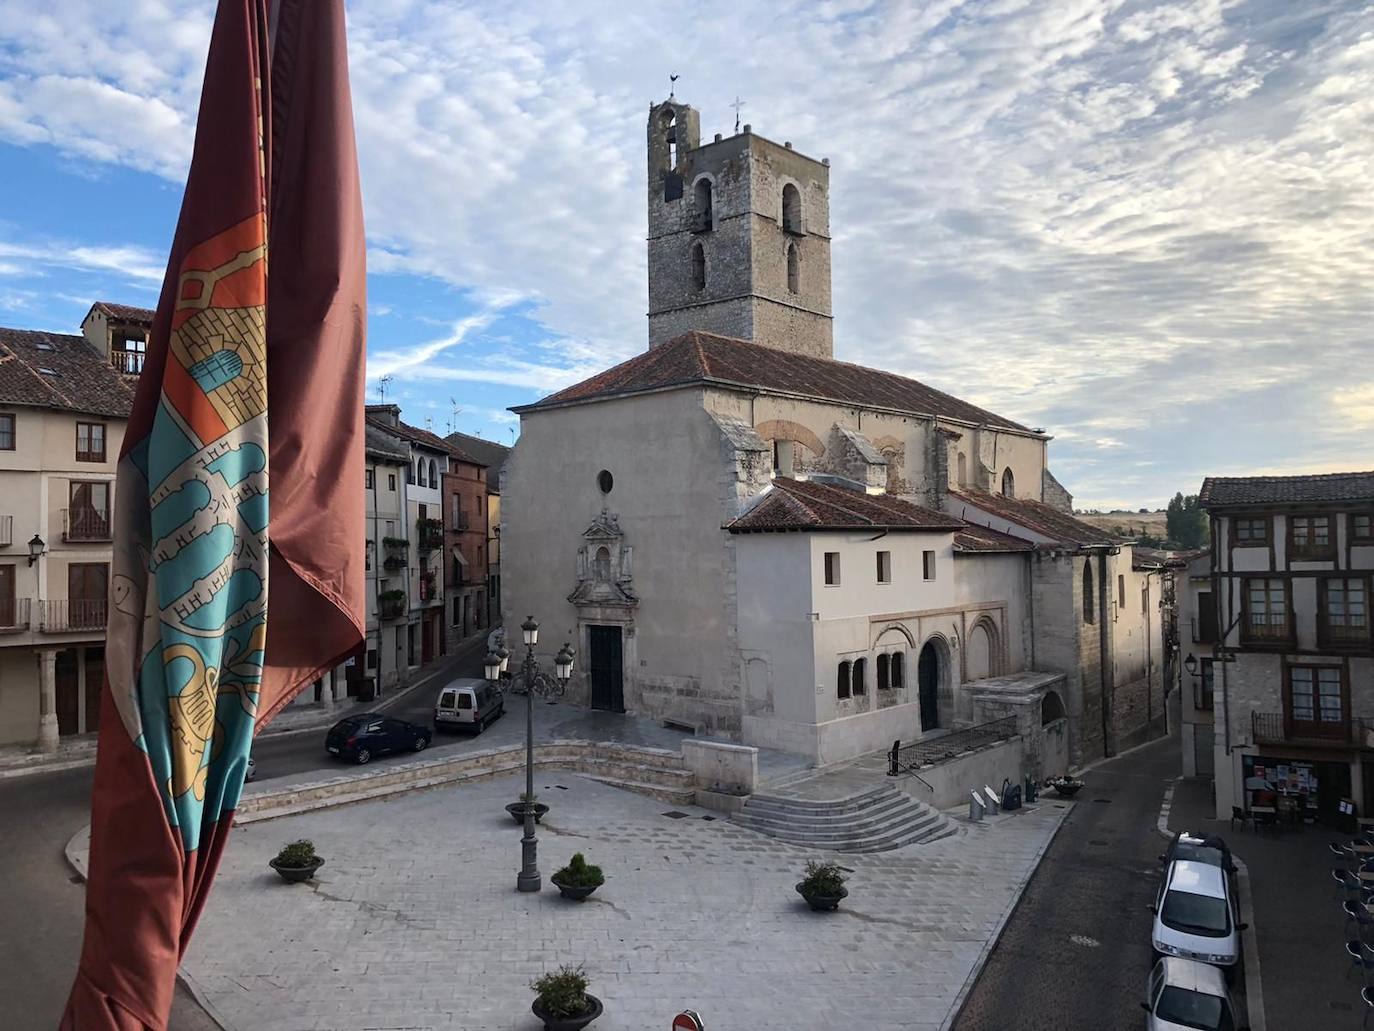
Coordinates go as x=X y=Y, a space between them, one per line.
x=826 y=557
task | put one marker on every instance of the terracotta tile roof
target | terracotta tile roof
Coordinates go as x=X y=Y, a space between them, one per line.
x=1154 y=558
x=78 y=378
x=125 y=312
x=808 y=505
x=418 y=436
x=985 y=540
x=383 y=445
x=705 y=358
x=1038 y=518
x=1221 y=491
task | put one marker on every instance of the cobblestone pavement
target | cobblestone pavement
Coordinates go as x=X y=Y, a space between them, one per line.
x=1076 y=954
x=414 y=921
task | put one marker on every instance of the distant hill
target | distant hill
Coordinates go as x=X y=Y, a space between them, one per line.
x=1129 y=524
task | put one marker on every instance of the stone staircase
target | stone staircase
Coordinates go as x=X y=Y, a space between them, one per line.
x=875 y=820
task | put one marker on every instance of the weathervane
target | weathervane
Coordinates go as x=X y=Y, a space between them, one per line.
x=672 y=79
x=737 y=105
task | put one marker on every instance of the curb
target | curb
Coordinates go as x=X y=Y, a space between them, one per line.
x=956 y=1008
x=1254 y=995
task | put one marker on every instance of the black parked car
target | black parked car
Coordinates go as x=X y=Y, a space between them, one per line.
x=370 y=733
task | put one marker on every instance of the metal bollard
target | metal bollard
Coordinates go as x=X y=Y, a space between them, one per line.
x=976 y=809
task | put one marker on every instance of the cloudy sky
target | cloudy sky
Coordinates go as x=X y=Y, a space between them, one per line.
x=1147 y=227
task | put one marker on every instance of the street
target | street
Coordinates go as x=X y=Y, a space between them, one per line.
x=1076 y=953
x=41 y=906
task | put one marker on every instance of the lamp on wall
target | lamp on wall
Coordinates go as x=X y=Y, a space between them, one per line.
x=36 y=548
x=1190 y=664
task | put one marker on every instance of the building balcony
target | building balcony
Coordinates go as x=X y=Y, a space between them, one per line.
x=129 y=363
x=14 y=615
x=85 y=524
x=64 y=614
x=392 y=606
x=1343 y=638
x=1279 y=728
x=431 y=533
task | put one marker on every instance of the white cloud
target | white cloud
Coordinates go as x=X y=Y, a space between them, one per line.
x=1130 y=222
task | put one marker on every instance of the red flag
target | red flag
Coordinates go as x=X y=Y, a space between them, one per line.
x=251 y=379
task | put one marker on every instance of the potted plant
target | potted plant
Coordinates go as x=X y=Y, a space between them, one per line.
x=1065 y=786
x=823 y=885
x=562 y=1001
x=517 y=809
x=297 y=862
x=578 y=879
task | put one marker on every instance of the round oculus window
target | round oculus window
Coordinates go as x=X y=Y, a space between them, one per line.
x=605 y=481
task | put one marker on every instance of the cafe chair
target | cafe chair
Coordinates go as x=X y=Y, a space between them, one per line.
x=1356 y=914
x=1237 y=813
x=1361 y=958
x=1345 y=882
x=1367 y=994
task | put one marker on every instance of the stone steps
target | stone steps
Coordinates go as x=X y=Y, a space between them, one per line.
x=877 y=820
x=648 y=771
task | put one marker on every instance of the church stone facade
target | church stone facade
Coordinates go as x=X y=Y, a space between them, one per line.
x=741 y=535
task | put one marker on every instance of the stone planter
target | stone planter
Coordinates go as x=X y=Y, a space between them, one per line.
x=819 y=902
x=296 y=874
x=1066 y=788
x=517 y=811
x=552 y=1023
x=576 y=892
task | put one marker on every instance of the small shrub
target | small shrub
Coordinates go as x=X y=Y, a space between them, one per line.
x=564 y=992
x=527 y=797
x=823 y=878
x=297 y=854
x=395 y=542
x=579 y=874
x=392 y=595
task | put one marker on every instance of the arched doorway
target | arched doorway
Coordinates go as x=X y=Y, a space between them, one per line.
x=928 y=683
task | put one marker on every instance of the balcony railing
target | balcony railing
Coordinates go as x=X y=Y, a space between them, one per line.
x=431 y=533
x=85 y=524
x=6 y=530
x=65 y=614
x=14 y=615
x=130 y=363
x=464 y=521
x=1277 y=728
x=392 y=607
x=1342 y=637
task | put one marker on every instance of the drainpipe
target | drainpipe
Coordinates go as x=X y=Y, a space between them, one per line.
x=1104 y=655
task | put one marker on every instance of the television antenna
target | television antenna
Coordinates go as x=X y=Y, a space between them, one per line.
x=382 y=385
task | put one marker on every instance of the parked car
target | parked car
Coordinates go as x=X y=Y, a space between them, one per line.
x=468 y=704
x=1211 y=849
x=1183 y=993
x=370 y=734
x=1196 y=916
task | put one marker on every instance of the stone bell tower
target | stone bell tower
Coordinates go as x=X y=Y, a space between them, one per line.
x=739 y=236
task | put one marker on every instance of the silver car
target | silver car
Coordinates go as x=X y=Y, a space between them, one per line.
x=1186 y=994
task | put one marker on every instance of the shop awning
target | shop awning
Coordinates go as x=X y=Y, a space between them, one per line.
x=458 y=554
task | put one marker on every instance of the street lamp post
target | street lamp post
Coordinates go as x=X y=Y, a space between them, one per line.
x=534 y=682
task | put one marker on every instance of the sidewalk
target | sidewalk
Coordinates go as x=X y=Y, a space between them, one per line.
x=1297 y=921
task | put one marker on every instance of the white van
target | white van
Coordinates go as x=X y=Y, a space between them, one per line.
x=1196 y=916
x=468 y=704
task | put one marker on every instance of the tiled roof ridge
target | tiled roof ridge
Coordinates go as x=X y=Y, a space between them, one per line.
x=428 y=438
x=847 y=510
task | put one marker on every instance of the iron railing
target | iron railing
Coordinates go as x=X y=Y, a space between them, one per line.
x=1279 y=728
x=85 y=524
x=14 y=615
x=431 y=534
x=392 y=608
x=936 y=750
x=63 y=614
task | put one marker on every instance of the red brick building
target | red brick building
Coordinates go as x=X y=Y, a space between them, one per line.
x=465 y=547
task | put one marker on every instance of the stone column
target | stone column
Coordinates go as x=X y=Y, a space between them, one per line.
x=327 y=689
x=47 y=700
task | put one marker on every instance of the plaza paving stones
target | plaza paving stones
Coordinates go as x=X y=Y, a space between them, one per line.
x=414 y=921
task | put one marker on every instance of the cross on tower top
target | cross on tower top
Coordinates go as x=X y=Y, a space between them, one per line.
x=738 y=105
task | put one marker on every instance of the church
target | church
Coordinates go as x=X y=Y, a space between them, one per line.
x=744 y=537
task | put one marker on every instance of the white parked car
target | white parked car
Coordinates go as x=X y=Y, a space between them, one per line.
x=1183 y=993
x=1196 y=916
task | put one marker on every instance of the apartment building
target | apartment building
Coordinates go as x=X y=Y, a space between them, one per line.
x=1292 y=669
x=493 y=456
x=64 y=405
x=465 y=546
